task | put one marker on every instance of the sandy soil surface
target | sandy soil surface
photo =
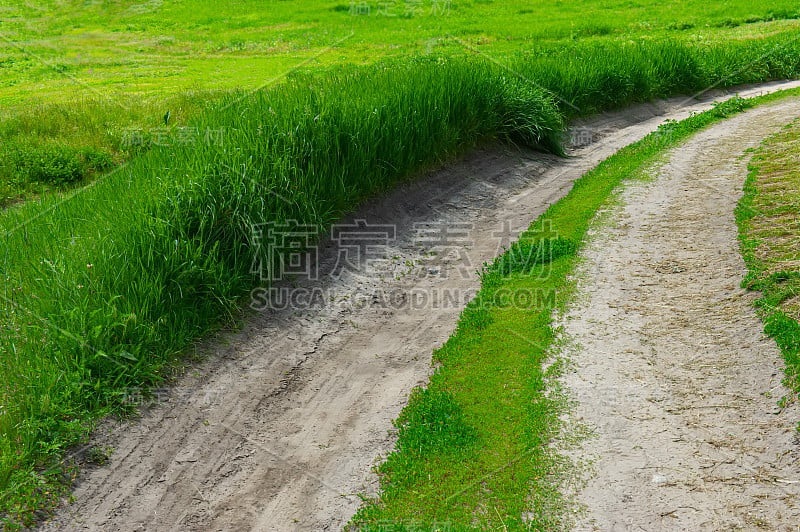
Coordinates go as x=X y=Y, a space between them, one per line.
x=280 y=427
x=671 y=370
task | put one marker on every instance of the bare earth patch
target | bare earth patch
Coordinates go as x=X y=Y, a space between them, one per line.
x=670 y=368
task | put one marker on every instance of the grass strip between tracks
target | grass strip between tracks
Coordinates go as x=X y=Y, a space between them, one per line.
x=472 y=448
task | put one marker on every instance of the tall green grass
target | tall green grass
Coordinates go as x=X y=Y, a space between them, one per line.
x=104 y=287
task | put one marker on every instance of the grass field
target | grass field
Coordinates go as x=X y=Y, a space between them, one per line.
x=78 y=78
x=56 y=50
x=298 y=111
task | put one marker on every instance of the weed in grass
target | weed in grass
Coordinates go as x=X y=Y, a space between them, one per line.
x=98 y=455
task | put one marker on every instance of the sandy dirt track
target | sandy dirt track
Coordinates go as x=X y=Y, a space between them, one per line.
x=671 y=369
x=280 y=427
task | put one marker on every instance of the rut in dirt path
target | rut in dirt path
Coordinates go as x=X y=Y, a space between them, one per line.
x=671 y=369
x=280 y=428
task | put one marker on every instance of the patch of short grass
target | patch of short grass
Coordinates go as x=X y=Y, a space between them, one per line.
x=57 y=147
x=56 y=49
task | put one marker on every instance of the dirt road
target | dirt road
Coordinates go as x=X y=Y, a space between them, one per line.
x=671 y=369
x=279 y=428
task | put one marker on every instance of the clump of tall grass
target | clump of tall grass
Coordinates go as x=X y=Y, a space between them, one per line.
x=104 y=288
x=595 y=77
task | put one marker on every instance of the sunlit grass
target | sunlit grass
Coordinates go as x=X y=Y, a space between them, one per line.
x=101 y=291
x=134 y=46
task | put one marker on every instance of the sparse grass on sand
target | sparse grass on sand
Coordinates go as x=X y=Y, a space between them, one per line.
x=769 y=232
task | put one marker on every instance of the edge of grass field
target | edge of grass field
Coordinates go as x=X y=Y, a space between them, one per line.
x=453 y=467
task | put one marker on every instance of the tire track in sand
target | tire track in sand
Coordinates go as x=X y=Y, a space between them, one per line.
x=670 y=368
